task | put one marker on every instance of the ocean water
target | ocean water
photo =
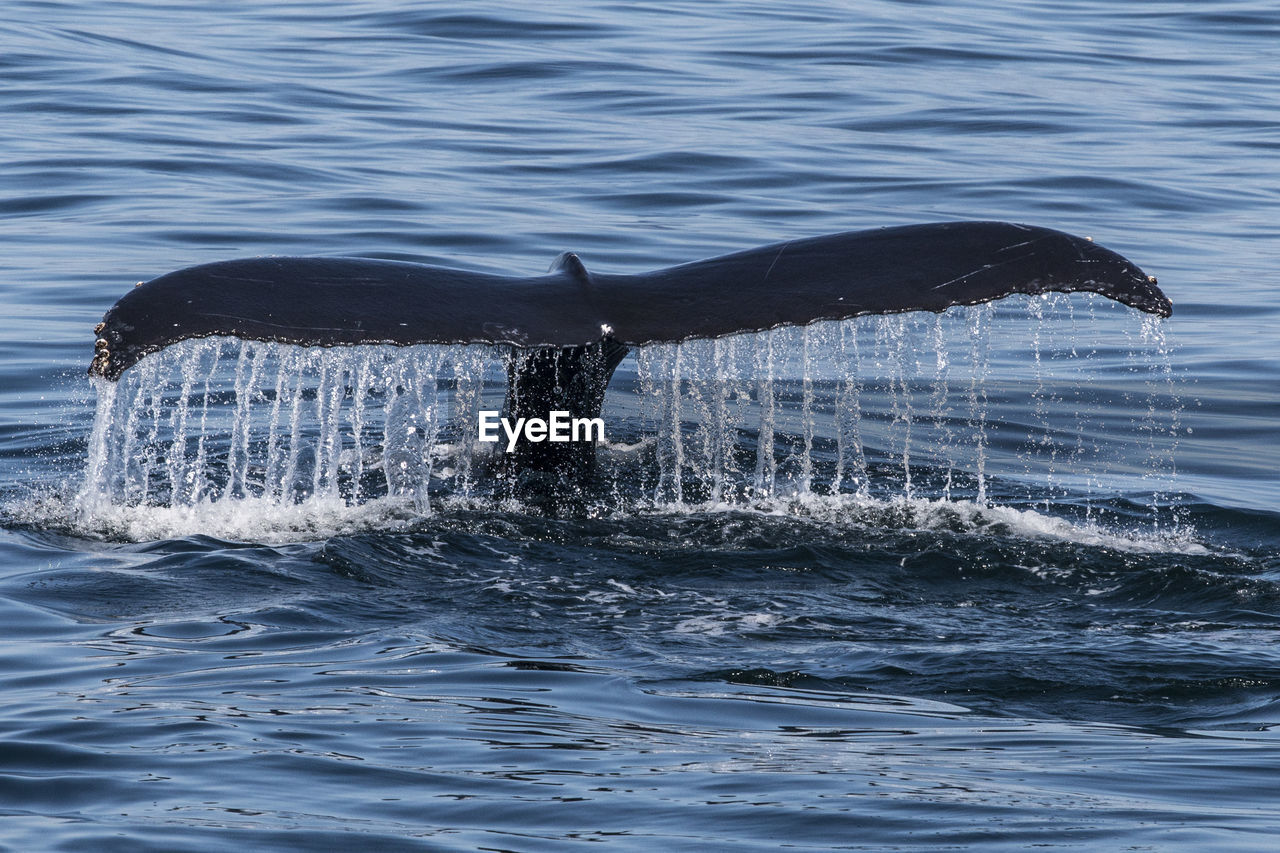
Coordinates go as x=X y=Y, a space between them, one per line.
x=1003 y=578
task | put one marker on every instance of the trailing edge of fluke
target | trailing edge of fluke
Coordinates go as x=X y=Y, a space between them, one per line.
x=349 y=301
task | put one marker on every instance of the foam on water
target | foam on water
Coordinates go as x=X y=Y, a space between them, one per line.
x=880 y=420
x=255 y=519
x=971 y=517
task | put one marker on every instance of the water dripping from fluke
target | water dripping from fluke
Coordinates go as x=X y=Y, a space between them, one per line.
x=288 y=388
x=981 y=420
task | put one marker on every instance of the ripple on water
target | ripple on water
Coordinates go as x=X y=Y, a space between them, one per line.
x=1082 y=656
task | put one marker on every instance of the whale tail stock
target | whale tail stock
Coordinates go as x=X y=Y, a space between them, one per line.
x=570 y=328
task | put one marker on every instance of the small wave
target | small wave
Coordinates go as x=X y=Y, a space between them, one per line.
x=243 y=520
x=972 y=517
x=268 y=521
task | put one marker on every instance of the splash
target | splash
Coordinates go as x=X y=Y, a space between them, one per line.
x=218 y=420
x=977 y=407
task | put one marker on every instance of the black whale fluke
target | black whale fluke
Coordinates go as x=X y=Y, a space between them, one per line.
x=570 y=328
x=348 y=301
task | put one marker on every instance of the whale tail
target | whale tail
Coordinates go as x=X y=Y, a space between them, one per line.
x=569 y=328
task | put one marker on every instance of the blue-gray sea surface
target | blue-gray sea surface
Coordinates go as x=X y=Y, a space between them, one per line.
x=1042 y=610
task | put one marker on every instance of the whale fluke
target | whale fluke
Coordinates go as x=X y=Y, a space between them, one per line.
x=348 y=301
x=570 y=328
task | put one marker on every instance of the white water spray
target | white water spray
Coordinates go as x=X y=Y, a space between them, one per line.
x=876 y=408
